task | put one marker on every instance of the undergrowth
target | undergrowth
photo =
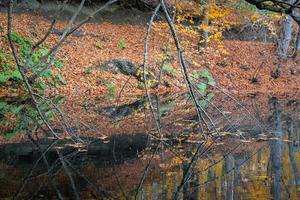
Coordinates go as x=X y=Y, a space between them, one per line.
x=17 y=111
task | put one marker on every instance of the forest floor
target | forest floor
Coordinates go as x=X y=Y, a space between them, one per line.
x=233 y=67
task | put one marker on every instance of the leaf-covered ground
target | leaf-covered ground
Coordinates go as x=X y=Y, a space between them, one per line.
x=233 y=67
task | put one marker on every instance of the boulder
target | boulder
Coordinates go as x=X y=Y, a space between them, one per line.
x=130 y=69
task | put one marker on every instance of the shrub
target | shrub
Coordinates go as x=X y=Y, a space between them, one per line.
x=17 y=110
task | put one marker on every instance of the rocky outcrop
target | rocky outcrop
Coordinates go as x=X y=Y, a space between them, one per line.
x=130 y=69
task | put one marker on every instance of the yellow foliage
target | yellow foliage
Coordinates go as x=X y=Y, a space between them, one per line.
x=216 y=12
x=255 y=17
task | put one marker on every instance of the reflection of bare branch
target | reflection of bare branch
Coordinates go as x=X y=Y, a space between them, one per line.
x=233 y=168
x=186 y=174
x=114 y=169
x=122 y=89
x=146 y=170
x=51 y=180
x=68 y=174
x=22 y=67
x=157 y=123
x=30 y=173
x=62 y=116
x=102 y=194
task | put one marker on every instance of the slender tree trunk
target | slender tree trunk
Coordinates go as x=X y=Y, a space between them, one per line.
x=285 y=35
x=297 y=43
x=298 y=39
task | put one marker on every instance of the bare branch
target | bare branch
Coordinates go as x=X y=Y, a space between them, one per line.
x=68 y=30
x=145 y=70
x=28 y=86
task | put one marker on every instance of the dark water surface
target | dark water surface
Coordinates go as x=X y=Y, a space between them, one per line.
x=240 y=162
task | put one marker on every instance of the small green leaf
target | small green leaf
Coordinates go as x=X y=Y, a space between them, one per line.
x=211 y=82
x=170 y=70
x=209 y=96
x=43 y=51
x=16 y=108
x=47 y=74
x=205 y=74
x=117 y=124
x=99 y=45
x=41 y=85
x=3 y=78
x=49 y=114
x=3 y=105
x=10 y=134
x=167 y=68
x=60 y=79
x=195 y=75
x=122 y=44
x=44 y=106
x=16 y=75
x=6 y=56
x=88 y=70
x=58 y=64
x=202 y=87
x=33 y=113
x=111 y=89
x=203 y=103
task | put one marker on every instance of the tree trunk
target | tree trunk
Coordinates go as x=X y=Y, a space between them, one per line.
x=285 y=35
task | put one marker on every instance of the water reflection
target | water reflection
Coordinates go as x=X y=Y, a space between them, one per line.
x=276 y=151
x=233 y=168
x=266 y=170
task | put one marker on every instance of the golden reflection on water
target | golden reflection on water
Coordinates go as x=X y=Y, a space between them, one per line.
x=243 y=175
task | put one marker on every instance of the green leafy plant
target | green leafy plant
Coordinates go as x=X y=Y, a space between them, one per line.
x=204 y=81
x=99 y=45
x=16 y=108
x=111 y=89
x=245 y=5
x=88 y=70
x=117 y=123
x=167 y=106
x=122 y=44
x=8 y=74
x=169 y=70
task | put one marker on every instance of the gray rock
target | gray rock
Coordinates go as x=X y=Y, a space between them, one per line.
x=120 y=66
x=76 y=33
x=128 y=68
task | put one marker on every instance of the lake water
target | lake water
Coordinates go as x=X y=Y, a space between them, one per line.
x=238 y=161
